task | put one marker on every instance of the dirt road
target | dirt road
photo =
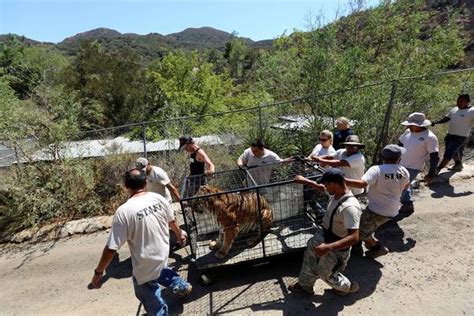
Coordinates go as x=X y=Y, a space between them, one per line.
x=429 y=271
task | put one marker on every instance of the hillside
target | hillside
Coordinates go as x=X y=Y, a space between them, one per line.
x=155 y=44
x=151 y=45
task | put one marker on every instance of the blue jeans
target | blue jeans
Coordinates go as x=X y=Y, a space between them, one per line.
x=407 y=195
x=149 y=293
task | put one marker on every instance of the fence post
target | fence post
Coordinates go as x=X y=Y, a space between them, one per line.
x=260 y=131
x=386 y=122
x=17 y=157
x=144 y=141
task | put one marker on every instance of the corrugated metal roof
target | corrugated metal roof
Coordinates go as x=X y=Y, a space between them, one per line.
x=121 y=145
x=300 y=121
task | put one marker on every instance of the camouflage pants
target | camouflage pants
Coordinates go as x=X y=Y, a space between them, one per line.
x=328 y=268
x=369 y=223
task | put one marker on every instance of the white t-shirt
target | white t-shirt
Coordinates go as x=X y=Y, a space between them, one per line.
x=461 y=121
x=142 y=221
x=347 y=215
x=418 y=148
x=157 y=181
x=356 y=169
x=263 y=170
x=319 y=150
x=386 y=184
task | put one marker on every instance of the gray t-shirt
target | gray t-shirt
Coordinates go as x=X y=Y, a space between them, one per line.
x=347 y=215
x=143 y=222
x=262 y=165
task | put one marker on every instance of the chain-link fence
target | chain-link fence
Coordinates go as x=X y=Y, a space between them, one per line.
x=95 y=160
x=291 y=127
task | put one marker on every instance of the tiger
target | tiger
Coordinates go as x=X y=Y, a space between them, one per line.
x=235 y=213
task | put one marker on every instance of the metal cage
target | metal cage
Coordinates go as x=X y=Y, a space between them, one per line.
x=296 y=211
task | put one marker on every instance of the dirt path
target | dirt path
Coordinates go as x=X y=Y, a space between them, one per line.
x=428 y=272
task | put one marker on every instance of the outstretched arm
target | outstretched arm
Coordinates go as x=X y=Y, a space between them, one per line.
x=241 y=163
x=360 y=184
x=441 y=121
x=174 y=191
x=330 y=161
x=311 y=183
x=202 y=156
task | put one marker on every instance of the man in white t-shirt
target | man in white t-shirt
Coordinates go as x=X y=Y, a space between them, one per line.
x=328 y=252
x=158 y=180
x=143 y=221
x=259 y=160
x=461 y=120
x=421 y=144
x=350 y=160
x=385 y=184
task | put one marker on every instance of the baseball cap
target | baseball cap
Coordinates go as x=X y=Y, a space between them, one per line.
x=141 y=163
x=184 y=140
x=332 y=175
x=392 y=152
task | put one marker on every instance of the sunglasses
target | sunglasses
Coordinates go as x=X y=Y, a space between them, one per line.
x=323 y=139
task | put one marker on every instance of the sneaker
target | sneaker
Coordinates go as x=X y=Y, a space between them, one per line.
x=297 y=288
x=407 y=208
x=457 y=167
x=372 y=253
x=354 y=288
x=183 y=290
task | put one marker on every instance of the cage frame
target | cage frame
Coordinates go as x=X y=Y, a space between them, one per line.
x=252 y=186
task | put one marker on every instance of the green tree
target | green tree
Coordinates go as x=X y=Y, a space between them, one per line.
x=113 y=79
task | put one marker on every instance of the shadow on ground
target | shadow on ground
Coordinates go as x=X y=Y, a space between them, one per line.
x=263 y=287
x=444 y=188
x=393 y=237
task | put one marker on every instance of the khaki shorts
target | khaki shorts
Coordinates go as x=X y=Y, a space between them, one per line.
x=369 y=222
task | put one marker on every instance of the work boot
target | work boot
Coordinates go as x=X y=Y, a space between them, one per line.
x=354 y=288
x=376 y=251
x=457 y=167
x=407 y=208
x=297 y=288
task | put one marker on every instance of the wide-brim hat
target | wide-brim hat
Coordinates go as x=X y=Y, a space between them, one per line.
x=417 y=119
x=353 y=140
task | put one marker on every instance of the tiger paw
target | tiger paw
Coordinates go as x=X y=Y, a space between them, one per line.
x=213 y=245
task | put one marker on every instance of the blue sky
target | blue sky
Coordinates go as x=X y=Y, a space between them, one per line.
x=54 y=20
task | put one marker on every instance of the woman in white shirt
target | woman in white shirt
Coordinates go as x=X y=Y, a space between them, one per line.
x=324 y=147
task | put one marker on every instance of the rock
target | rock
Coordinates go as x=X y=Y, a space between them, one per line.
x=22 y=236
x=78 y=226
x=46 y=232
x=92 y=227
x=104 y=221
x=64 y=232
